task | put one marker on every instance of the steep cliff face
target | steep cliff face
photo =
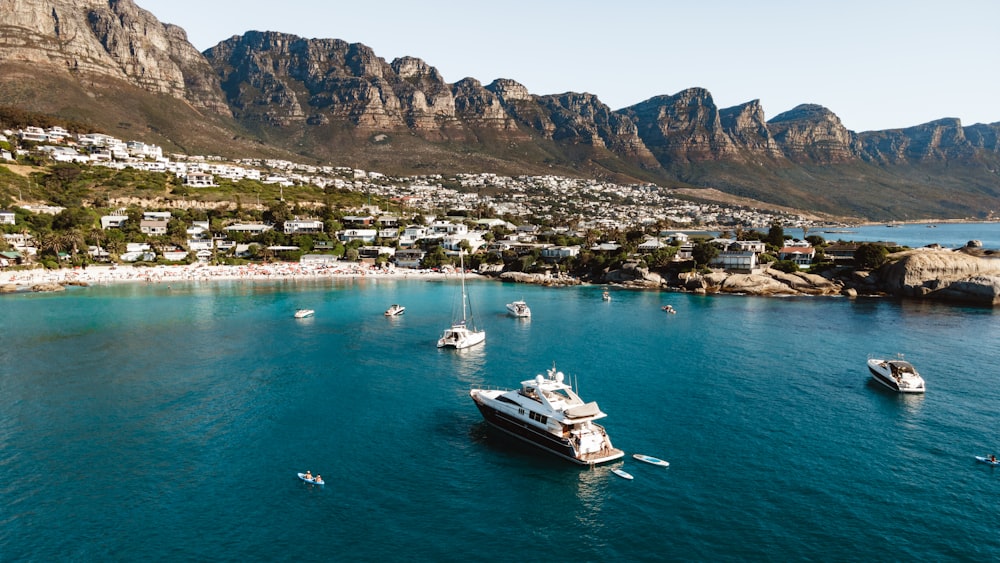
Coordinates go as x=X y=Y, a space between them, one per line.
x=281 y=79
x=936 y=141
x=813 y=134
x=746 y=126
x=683 y=128
x=480 y=108
x=985 y=137
x=95 y=39
x=584 y=119
x=427 y=101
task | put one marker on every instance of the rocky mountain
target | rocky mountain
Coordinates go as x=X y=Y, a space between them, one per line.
x=115 y=65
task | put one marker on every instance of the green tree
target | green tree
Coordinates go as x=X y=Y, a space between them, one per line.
x=662 y=257
x=277 y=213
x=815 y=240
x=115 y=244
x=870 y=256
x=704 y=252
x=435 y=258
x=74 y=218
x=775 y=236
x=786 y=266
x=76 y=241
x=50 y=243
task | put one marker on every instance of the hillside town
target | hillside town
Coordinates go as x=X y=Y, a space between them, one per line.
x=405 y=222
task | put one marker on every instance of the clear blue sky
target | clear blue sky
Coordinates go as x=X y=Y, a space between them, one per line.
x=877 y=64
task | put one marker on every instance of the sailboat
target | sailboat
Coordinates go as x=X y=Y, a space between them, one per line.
x=463 y=332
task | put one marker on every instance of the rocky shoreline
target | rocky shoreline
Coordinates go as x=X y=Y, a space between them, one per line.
x=927 y=273
x=962 y=276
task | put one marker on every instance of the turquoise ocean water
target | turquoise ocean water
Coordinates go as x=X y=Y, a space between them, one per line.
x=166 y=423
x=948 y=235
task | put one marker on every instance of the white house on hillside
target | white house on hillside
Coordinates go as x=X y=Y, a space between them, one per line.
x=303 y=226
x=198 y=180
x=153 y=226
x=113 y=221
x=250 y=228
x=412 y=234
x=801 y=255
x=364 y=235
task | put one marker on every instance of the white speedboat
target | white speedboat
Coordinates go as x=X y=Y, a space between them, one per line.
x=462 y=333
x=896 y=374
x=606 y=296
x=547 y=413
x=394 y=310
x=304 y=313
x=519 y=309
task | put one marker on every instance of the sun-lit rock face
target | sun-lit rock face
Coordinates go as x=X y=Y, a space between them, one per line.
x=943 y=274
x=115 y=39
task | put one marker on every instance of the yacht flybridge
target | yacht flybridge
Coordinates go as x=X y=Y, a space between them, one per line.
x=547 y=413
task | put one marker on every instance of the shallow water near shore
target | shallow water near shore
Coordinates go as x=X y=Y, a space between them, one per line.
x=167 y=422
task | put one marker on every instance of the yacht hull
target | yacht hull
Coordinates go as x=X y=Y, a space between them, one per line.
x=533 y=435
x=882 y=373
x=881 y=378
x=460 y=339
x=519 y=309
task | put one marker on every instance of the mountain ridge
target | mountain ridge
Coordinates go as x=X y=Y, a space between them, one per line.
x=334 y=101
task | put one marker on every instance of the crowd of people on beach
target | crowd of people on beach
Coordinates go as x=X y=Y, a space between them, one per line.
x=201 y=272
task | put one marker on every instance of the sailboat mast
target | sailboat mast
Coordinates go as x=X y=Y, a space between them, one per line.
x=461 y=261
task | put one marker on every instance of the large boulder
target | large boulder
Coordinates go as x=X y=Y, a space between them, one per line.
x=809 y=284
x=631 y=274
x=47 y=287
x=942 y=274
x=756 y=284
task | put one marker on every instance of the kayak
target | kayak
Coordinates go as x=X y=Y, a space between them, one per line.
x=622 y=473
x=652 y=460
x=312 y=480
x=987 y=461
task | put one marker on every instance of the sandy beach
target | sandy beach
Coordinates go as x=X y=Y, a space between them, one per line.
x=24 y=279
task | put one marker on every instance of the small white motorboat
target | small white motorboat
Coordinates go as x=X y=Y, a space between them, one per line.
x=519 y=309
x=394 y=310
x=304 y=313
x=897 y=374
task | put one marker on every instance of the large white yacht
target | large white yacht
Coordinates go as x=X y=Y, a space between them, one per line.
x=897 y=374
x=546 y=412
